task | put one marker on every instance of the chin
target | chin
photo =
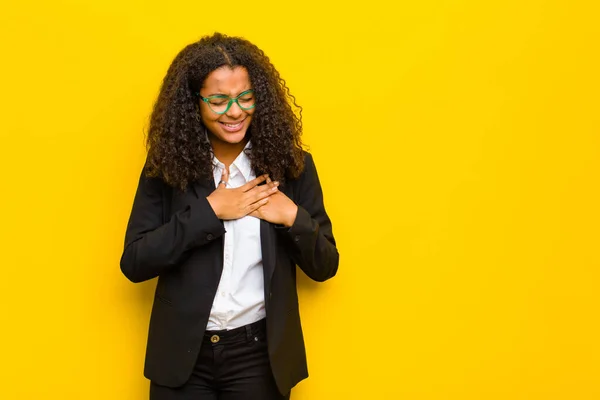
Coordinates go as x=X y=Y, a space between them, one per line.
x=231 y=138
x=234 y=138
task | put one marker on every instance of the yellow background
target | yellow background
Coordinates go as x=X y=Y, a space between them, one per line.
x=457 y=143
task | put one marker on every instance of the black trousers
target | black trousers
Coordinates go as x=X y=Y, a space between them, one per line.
x=232 y=365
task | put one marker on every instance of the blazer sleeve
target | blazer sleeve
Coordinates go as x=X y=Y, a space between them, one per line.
x=155 y=242
x=313 y=244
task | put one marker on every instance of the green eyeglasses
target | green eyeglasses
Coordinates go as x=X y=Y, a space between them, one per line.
x=220 y=103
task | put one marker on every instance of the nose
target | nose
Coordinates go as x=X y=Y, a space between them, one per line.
x=234 y=111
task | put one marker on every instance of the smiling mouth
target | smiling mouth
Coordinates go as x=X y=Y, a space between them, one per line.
x=232 y=127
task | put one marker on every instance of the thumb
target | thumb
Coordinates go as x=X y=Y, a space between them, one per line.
x=224 y=178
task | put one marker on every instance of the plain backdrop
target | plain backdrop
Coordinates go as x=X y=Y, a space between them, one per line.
x=457 y=145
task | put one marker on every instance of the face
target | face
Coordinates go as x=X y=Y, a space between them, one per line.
x=228 y=128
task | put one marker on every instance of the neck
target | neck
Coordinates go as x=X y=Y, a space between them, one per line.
x=227 y=152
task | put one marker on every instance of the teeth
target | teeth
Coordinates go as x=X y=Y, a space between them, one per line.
x=233 y=125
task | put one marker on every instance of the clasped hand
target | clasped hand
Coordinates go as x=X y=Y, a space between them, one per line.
x=264 y=201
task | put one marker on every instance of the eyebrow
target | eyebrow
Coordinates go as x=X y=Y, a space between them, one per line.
x=226 y=95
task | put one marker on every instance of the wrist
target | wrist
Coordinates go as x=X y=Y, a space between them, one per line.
x=213 y=205
x=291 y=217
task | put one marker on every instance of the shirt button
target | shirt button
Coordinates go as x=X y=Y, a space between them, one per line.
x=223 y=294
x=296 y=238
x=210 y=236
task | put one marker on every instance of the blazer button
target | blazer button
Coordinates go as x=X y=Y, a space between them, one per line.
x=210 y=236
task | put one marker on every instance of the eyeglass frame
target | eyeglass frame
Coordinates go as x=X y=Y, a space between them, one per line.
x=231 y=101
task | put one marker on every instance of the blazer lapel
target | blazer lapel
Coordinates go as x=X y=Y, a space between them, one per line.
x=204 y=187
x=268 y=244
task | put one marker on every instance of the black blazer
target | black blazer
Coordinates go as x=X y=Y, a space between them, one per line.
x=176 y=236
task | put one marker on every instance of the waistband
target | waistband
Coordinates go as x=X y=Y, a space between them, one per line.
x=246 y=332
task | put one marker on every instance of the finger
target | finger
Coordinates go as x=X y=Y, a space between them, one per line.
x=260 y=192
x=224 y=178
x=255 y=182
x=255 y=206
x=271 y=188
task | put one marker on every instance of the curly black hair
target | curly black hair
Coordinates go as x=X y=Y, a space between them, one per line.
x=178 y=149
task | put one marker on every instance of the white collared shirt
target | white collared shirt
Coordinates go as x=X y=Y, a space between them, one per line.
x=240 y=298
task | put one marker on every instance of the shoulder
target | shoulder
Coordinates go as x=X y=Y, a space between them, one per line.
x=150 y=181
x=309 y=163
x=308 y=175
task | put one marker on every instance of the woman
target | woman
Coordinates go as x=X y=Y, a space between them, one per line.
x=227 y=205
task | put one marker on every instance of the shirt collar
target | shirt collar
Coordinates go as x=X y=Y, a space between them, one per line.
x=242 y=162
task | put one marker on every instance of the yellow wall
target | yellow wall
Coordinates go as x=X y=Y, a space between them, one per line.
x=457 y=143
